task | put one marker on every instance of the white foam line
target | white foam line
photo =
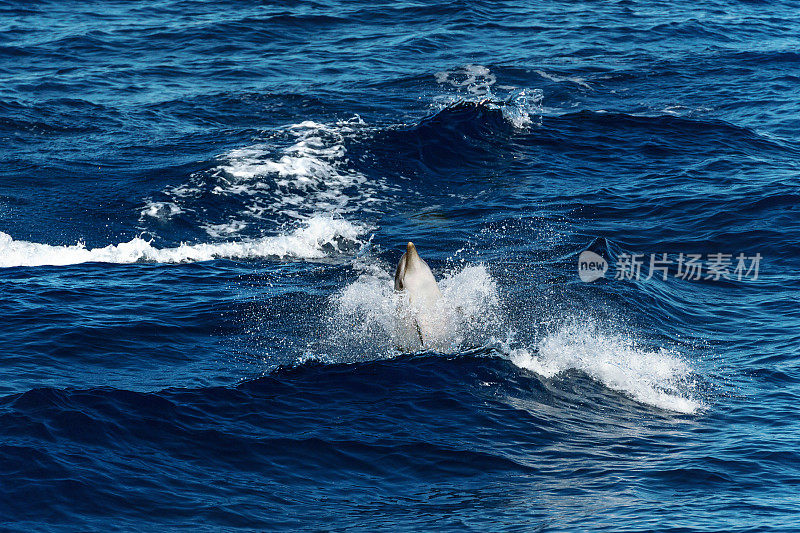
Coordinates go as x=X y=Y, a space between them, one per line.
x=553 y=77
x=305 y=242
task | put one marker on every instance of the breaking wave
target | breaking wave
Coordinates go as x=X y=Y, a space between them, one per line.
x=659 y=377
x=476 y=84
x=316 y=238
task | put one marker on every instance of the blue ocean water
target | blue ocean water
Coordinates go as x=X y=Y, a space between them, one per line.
x=201 y=208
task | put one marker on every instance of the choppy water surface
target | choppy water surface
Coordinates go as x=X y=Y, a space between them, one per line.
x=202 y=204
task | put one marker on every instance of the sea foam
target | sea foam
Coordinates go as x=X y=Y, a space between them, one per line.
x=658 y=377
x=292 y=173
x=314 y=239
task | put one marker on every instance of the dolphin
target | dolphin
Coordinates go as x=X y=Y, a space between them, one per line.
x=414 y=277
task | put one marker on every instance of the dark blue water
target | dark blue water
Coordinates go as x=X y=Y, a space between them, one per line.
x=202 y=203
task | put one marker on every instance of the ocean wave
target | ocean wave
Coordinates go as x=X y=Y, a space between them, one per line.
x=657 y=377
x=475 y=85
x=315 y=239
x=306 y=176
x=461 y=132
x=679 y=132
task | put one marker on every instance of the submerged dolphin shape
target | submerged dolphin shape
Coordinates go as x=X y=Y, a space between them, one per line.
x=414 y=277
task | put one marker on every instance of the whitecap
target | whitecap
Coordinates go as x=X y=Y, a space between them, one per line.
x=314 y=239
x=658 y=377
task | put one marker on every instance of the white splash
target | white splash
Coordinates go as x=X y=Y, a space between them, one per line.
x=315 y=239
x=520 y=107
x=660 y=377
x=523 y=108
x=368 y=316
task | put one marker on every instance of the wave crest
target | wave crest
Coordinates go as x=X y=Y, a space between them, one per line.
x=657 y=377
x=315 y=239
